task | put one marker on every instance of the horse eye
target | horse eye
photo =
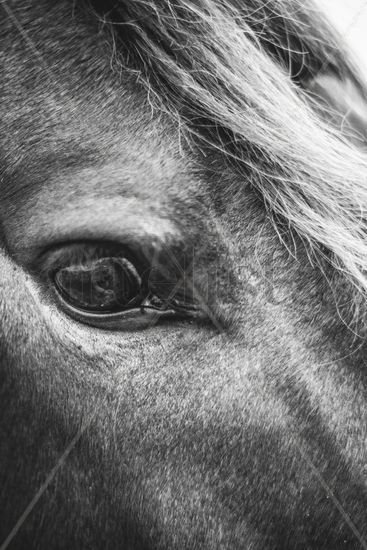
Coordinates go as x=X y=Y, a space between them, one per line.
x=104 y=285
x=101 y=285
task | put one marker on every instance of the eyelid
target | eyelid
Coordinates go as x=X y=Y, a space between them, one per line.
x=66 y=253
x=131 y=222
x=129 y=320
x=38 y=259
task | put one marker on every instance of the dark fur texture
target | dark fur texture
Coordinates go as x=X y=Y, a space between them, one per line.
x=138 y=124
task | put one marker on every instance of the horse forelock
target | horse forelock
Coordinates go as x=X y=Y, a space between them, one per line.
x=235 y=76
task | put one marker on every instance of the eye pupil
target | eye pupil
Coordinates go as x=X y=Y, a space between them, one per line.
x=105 y=284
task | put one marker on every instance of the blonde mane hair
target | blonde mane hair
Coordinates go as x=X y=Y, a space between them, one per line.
x=239 y=69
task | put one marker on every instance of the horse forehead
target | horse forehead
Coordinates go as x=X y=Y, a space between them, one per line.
x=75 y=132
x=64 y=98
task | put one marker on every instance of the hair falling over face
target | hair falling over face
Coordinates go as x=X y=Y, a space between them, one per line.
x=271 y=88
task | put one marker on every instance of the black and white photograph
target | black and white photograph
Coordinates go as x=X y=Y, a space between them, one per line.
x=183 y=274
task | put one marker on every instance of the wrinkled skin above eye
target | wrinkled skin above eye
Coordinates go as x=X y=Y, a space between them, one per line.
x=101 y=285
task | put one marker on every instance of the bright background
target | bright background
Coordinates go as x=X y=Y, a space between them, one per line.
x=350 y=16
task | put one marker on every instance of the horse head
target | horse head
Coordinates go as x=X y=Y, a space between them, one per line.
x=182 y=280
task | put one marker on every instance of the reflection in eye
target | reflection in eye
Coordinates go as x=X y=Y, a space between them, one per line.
x=102 y=283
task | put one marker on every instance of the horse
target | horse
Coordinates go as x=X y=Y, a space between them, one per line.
x=183 y=277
